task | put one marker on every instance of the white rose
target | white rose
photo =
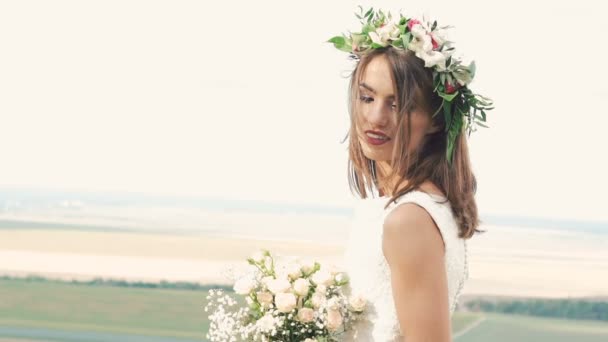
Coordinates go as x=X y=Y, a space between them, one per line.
x=279 y=285
x=285 y=302
x=323 y=277
x=301 y=286
x=294 y=270
x=318 y=299
x=357 y=302
x=341 y=277
x=321 y=288
x=308 y=266
x=244 y=285
x=266 y=323
x=334 y=319
x=306 y=315
x=265 y=298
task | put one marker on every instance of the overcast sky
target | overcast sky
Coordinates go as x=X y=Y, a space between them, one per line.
x=245 y=100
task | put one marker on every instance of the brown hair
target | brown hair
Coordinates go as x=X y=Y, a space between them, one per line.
x=414 y=87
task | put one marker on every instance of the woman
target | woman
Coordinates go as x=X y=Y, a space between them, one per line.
x=409 y=104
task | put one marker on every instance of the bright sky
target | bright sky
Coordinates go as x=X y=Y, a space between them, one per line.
x=246 y=100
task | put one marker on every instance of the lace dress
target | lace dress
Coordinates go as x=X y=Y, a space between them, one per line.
x=370 y=275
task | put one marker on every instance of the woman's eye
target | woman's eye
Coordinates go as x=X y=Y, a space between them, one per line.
x=366 y=99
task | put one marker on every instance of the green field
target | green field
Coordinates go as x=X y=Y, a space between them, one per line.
x=500 y=327
x=156 y=312
x=95 y=312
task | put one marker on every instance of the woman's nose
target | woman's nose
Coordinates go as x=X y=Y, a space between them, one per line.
x=378 y=115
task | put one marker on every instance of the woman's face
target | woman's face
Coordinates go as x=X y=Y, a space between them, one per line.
x=377 y=113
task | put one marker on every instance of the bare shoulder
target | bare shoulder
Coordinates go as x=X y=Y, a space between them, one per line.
x=410 y=234
x=413 y=248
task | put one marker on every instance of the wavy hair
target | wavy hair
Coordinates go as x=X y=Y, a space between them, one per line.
x=414 y=87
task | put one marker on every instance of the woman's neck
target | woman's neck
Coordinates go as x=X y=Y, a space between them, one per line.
x=385 y=183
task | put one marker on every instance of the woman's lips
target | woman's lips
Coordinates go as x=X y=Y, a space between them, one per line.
x=376 y=138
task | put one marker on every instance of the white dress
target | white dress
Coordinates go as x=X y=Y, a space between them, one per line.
x=370 y=275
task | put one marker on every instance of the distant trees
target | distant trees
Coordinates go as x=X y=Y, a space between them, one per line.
x=563 y=308
x=123 y=283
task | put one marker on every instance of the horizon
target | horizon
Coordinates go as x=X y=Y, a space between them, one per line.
x=64 y=199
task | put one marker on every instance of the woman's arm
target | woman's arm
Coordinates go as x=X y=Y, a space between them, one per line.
x=414 y=249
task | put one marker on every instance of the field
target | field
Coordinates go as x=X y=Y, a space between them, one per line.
x=53 y=311
x=499 y=328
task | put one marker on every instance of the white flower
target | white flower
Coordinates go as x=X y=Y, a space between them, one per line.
x=384 y=34
x=440 y=36
x=308 y=266
x=422 y=45
x=310 y=340
x=279 y=285
x=323 y=277
x=357 y=302
x=334 y=319
x=306 y=315
x=341 y=277
x=285 y=302
x=301 y=286
x=265 y=298
x=244 y=285
x=321 y=288
x=464 y=75
x=266 y=323
x=318 y=299
x=294 y=270
x=433 y=59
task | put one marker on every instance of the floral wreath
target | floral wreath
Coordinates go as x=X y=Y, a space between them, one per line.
x=461 y=107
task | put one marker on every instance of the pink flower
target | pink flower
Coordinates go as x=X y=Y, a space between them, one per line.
x=412 y=22
x=435 y=44
x=449 y=89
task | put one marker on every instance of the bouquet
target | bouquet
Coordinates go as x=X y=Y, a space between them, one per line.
x=284 y=300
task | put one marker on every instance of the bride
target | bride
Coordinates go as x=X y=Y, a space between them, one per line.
x=409 y=163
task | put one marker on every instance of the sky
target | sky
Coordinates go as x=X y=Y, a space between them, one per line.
x=246 y=100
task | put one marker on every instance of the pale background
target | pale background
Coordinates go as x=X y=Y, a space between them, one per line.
x=244 y=99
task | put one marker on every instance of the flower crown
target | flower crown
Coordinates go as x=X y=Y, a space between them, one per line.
x=429 y=43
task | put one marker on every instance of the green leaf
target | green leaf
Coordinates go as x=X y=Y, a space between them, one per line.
x=482 y=125
x=338 y=41
x=369 y=12
x=434 y=25
x=447 y=114
x=448 y=97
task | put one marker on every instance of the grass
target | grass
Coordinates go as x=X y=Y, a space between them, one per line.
x=179 y=313
x=155 y=312
x=502 y=327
